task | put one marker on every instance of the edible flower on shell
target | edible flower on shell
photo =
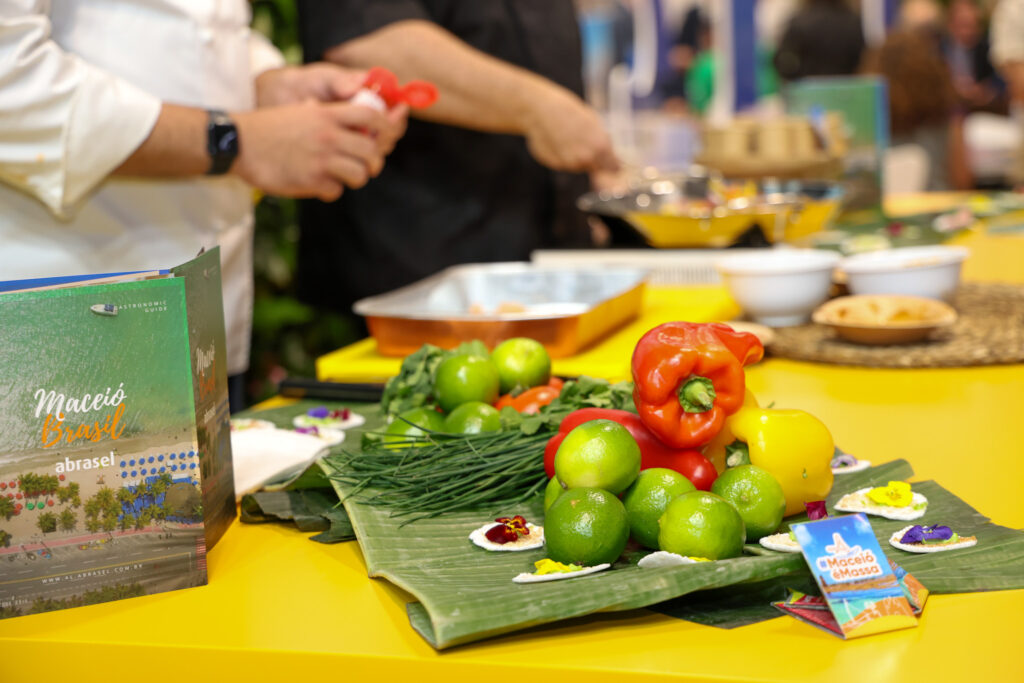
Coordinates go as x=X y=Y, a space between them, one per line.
x=922 y=534
x=816 y=510
x=896 y=494
x=507 y=530
x=549 y=566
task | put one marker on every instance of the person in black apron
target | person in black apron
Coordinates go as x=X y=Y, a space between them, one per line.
x=489 y=173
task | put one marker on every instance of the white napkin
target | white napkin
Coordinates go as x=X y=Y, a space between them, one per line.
x=263 y=456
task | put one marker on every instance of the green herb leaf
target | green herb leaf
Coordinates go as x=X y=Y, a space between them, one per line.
x=471 y=348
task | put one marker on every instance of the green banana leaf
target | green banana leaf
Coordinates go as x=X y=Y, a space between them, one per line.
x=309 y=509
x=466 y=594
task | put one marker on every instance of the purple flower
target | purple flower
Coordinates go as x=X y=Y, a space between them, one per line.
x=318 y=412
x=308 y=430
x=844 y=460
x=920 y=534
x=816 y=510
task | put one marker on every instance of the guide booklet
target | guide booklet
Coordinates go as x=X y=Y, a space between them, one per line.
x=115 y=451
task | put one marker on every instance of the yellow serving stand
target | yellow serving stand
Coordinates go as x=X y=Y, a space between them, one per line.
x=280 y=607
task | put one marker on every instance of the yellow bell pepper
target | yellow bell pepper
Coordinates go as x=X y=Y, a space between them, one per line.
x=794 y=446
x=715 y=450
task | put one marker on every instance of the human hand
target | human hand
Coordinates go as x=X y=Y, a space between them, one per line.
x=565 y=134
x=324 y=82
x=313 y=149
x=319 y=81
x=602 y=180
x=398 y=120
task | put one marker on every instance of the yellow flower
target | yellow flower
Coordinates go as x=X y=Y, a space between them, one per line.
x=547 y=566
x=897 y=494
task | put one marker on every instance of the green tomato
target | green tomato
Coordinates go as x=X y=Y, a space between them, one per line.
x=463 y=378
x=400 y=431
x=473 y=417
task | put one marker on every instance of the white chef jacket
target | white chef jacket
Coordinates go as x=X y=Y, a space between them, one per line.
x=81 y=84
x=1007 y=36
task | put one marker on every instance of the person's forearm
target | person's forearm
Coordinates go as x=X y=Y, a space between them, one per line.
x=176 y=146
x=476 y=90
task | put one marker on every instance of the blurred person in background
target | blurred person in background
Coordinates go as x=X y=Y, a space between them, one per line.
x=691 y=85
x=823 y=38
x=132 y=133
x=490 y=172
x=700 y=79
x=1007 y=30
x=923 y=106
x=691 y=40
x=922 y=15
x=966 y=49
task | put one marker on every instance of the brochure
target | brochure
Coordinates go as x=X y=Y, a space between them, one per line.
x=115 y=464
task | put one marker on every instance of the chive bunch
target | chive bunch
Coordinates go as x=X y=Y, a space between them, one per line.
x=440 y=473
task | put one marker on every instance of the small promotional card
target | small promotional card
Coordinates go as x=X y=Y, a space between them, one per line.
x=862 y=592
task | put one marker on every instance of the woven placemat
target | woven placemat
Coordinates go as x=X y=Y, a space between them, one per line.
x=989 y=331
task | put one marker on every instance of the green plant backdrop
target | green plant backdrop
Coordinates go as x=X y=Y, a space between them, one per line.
x=287 y=334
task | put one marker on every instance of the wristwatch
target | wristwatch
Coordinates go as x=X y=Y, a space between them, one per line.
x=221 y=142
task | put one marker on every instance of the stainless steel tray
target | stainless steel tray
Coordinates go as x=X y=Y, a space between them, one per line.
x=565 y=308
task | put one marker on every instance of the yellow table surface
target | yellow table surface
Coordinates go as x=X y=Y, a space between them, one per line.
x=279 y=605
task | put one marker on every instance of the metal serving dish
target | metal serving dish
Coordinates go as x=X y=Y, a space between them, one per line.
x=564 y=308
x=685 y=211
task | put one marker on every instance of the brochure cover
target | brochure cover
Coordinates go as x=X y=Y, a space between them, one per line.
x=100 y=476
x=861 y=104
x=210 y=386
x=856 y=579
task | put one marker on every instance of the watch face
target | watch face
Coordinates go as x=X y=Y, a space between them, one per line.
x=225 y=138
x=221 y=143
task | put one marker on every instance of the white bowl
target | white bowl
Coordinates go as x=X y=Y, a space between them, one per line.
x=931 y=272
x=779 y=287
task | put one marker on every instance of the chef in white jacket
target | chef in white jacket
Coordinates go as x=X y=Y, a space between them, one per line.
x=132 y=130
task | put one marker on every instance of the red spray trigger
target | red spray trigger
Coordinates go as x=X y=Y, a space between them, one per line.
x=417 y=94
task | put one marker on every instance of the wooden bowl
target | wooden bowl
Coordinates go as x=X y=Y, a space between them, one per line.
x=881 y=319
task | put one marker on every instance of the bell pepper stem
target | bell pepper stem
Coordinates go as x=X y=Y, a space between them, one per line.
x=697 y=395
x=737 y=453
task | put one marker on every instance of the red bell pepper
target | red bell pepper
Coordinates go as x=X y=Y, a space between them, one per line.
x=653 y=453
x=687 y=377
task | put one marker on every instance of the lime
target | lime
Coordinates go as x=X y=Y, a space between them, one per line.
x=472 y=418
x=647 y=499
x=586 y=526
x=599 y=454
x=462 y=378
x=421 y=418
x=552 y=492
x=701 y=524
x=522 y=363
x=756 y=494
